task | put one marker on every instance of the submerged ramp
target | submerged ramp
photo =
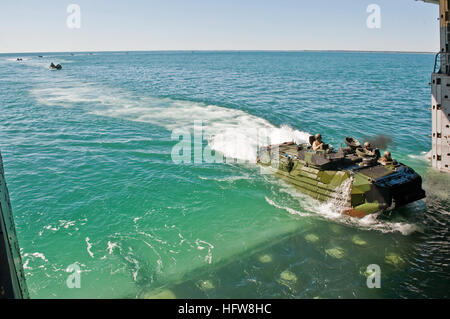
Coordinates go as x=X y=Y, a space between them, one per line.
x=12 y=277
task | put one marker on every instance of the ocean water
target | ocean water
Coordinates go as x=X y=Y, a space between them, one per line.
x=88 y=161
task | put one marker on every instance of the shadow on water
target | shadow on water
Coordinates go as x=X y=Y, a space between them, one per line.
x=328 y=259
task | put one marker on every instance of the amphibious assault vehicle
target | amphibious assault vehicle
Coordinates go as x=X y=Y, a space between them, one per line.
x=353 y=175
x=55 y=67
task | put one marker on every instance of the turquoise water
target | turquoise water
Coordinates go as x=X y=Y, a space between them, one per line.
x=87 y=154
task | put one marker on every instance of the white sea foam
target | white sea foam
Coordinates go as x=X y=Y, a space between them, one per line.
x=424 y=156
x=111 y=247
x=32 y=257
x=88 y=248
x=288 y=209
x=43 y=62
x=136 y=265
x=332 y=210
x=201 y=244
x=234 y=133
x=229 y=179
x=25 y=265
x=24 y=59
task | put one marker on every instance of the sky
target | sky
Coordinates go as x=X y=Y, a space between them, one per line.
x=126 y=25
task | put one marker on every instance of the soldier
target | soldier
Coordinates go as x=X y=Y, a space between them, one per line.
x=317 y=144
x=373 y=151
x=386 y=157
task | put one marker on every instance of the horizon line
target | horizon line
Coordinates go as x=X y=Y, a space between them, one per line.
x=227 y=50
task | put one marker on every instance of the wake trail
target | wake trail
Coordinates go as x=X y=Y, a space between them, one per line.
x=234 y=133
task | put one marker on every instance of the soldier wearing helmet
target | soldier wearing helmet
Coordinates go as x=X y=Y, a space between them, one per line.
x=371 y=150
x=386 y=158
x=318 y=143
